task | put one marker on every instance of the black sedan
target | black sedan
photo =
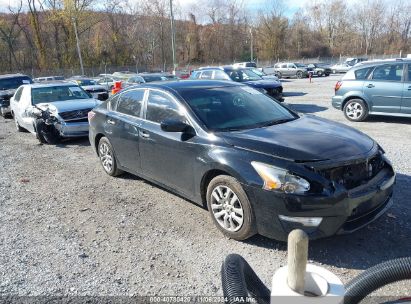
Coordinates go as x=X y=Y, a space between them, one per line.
x=257 y=166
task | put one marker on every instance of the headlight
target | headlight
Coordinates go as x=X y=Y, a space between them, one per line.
x=278 y=179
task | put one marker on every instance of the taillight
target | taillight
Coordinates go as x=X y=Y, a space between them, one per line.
x=338 y=85
x=91 y=115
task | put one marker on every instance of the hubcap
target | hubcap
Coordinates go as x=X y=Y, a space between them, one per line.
x=106 y=157
x=354 y=110
x=227 y=208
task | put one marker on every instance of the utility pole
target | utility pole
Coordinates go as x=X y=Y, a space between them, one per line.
x=251 y=45
x=173 y=38
x=78 y=46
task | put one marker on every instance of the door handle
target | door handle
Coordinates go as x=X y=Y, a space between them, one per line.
x=370 y=86
x=111 y=122
x=145 y=134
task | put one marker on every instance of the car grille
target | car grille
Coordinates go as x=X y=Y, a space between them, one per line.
x=354 y=175
x=76 y=115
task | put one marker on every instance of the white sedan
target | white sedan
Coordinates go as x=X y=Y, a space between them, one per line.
x=68 y=102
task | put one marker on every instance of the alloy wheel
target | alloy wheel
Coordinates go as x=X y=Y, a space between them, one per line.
x=227 y=208
x=106 y=157
x=354 y=110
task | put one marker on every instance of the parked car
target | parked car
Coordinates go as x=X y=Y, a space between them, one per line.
x=124 y=75
x=319 y=69
x=48 y=78
x=248 y=64
x=375 y=88
x=107 y=82
x=355 y=60
x=291 y=69
x=258 y=166
x=271 y=87
x=8 y=85
x=68 y=102
x=92 y=87
x=340 y=68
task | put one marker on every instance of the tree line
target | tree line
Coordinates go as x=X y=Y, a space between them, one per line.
x=39 y=34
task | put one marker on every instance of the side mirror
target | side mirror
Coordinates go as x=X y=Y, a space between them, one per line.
x=175 y=125
x=102 y=96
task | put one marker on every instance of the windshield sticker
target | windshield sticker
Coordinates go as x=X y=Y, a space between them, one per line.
x=251 y=90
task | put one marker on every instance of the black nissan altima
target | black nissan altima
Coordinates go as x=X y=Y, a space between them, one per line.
x=257 y=166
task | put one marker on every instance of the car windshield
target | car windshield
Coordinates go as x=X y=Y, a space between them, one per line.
x=235 y=108
x=13 y=83
x=86 y=82
x=241 y=75
x=57 y=93
x=258 y=72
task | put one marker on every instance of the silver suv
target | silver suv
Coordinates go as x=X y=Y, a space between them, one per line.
x=291 y=69
x=375 y=88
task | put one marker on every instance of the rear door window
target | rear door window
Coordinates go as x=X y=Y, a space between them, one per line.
x=206 y=75
x=130 y=102
x=388 y=72
x=220 y=75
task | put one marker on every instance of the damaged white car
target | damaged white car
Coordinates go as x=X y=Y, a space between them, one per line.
x=52 y=111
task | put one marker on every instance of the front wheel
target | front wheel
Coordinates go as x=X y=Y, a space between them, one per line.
x=107 y=158
x=356 y=110
x=230 y=208
x=279 y=75
x=299 y=74
x=319 y=74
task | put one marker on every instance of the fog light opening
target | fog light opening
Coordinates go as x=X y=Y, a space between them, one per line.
x=305 y=221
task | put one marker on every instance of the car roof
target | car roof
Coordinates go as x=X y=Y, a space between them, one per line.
x=382 y=61
x=4 y=76
x=49 y=84
x=176 y=85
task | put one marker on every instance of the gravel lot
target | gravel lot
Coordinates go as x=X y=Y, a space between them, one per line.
x=66 y=228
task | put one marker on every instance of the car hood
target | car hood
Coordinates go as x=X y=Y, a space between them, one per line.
x=308 y=138
x=7 y=93
x=270 y=77
x=264 y=83
x=72 y=105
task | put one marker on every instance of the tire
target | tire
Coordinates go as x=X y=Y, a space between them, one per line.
x=319 y=74
x=232 y=214
x=279 y=75
x=107 y=157
x=18 y=127
x=3 y=113
x=355 y=110
x=299 y=74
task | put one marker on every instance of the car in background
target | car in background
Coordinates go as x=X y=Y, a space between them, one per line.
x=355 y=60
x=91 y=86
x=68 y=102
x=48 y=78
x=340 y=68
x=8 y=86
x=319 y=69
x=270 y=87
x=375 y=88
x=263 y=75
x=257 y=166
x=248 y=64
x=291 y=69
x=124 y=75
x=107 y=81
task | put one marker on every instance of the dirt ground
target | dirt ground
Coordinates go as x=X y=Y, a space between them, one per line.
x=67 y=228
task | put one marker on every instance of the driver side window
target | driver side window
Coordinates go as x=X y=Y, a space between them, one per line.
x=17 y=96
x=161 y=107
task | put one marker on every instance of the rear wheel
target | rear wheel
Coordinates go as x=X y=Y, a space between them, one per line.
x=356 y=110
x=230 y=208
x=319 y=74
x=107 y=158
x=299 y=74
x=279 y=75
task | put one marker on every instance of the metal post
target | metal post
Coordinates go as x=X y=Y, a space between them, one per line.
x=173 y=42
x=251 y=45
x=78 y=46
